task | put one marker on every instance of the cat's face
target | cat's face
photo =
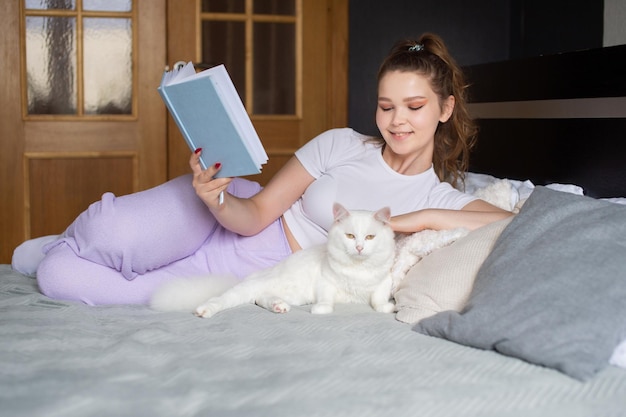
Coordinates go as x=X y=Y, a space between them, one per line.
x=361 y=233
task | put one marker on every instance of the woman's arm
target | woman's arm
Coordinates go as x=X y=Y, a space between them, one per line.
x=248 y=216
x=476 y=214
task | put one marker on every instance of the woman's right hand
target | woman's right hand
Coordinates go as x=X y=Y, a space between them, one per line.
x=248 y=216
x=207 y=187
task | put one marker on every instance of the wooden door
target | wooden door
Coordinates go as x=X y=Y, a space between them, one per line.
x=64 y=143
x=52 y=166
x=297 y=48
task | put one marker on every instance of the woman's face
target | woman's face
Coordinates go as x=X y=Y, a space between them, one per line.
x=408 y=114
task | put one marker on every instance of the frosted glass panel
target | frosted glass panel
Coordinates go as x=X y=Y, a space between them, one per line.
x=51 y=4
x=51 y=65
x=107 y=65
x=108 y=5
x=274 y=68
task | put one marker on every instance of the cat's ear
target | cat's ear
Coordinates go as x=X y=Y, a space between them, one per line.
x=383 y=215
x=339 y=212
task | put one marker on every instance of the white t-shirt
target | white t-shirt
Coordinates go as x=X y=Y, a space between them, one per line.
x=350 y=171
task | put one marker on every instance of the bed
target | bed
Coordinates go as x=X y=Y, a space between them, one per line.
x=454 y=348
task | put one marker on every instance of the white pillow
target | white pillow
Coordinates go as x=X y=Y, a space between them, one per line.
x=444 y=279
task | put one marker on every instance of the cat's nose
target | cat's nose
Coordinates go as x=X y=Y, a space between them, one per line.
x=359 y=248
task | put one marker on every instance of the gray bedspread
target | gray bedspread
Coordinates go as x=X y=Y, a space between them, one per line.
x=68 y=359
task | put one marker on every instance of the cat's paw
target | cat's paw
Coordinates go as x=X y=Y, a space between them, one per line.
x=385 y=307
x=206 y=311
x=279 y=306
x=321 y=309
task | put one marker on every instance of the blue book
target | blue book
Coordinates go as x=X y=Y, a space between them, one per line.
x=210 y=115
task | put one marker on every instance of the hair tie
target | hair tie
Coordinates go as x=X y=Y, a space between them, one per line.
x=416 y=48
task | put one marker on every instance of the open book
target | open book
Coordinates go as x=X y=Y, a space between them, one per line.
x=211 y=116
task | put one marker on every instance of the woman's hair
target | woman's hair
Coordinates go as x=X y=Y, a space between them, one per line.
x=455 y=138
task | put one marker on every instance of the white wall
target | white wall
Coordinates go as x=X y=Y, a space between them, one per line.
x=614 y=22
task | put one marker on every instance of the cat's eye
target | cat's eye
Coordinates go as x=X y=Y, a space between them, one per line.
x=370 y=237
x=350 y=236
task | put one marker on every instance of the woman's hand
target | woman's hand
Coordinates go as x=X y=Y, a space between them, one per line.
x=476 y=214
x=207 y=187
x=248 y=216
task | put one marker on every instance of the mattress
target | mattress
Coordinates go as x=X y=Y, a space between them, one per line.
x=68 y=359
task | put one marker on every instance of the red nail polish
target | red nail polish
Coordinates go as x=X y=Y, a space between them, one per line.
x=198 y=150
x=218 y=165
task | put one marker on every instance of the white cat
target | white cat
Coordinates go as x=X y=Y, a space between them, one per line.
x=352 y=267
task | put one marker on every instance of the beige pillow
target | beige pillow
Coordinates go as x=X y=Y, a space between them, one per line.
x=444 y=279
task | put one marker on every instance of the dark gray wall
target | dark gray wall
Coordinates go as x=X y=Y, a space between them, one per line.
x=476 y=32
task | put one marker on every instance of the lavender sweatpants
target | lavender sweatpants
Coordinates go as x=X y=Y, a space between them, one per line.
x=121 y=249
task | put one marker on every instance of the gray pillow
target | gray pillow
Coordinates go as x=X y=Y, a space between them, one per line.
x=553 y=290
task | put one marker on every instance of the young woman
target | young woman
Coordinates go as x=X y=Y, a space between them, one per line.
x=122 y=248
